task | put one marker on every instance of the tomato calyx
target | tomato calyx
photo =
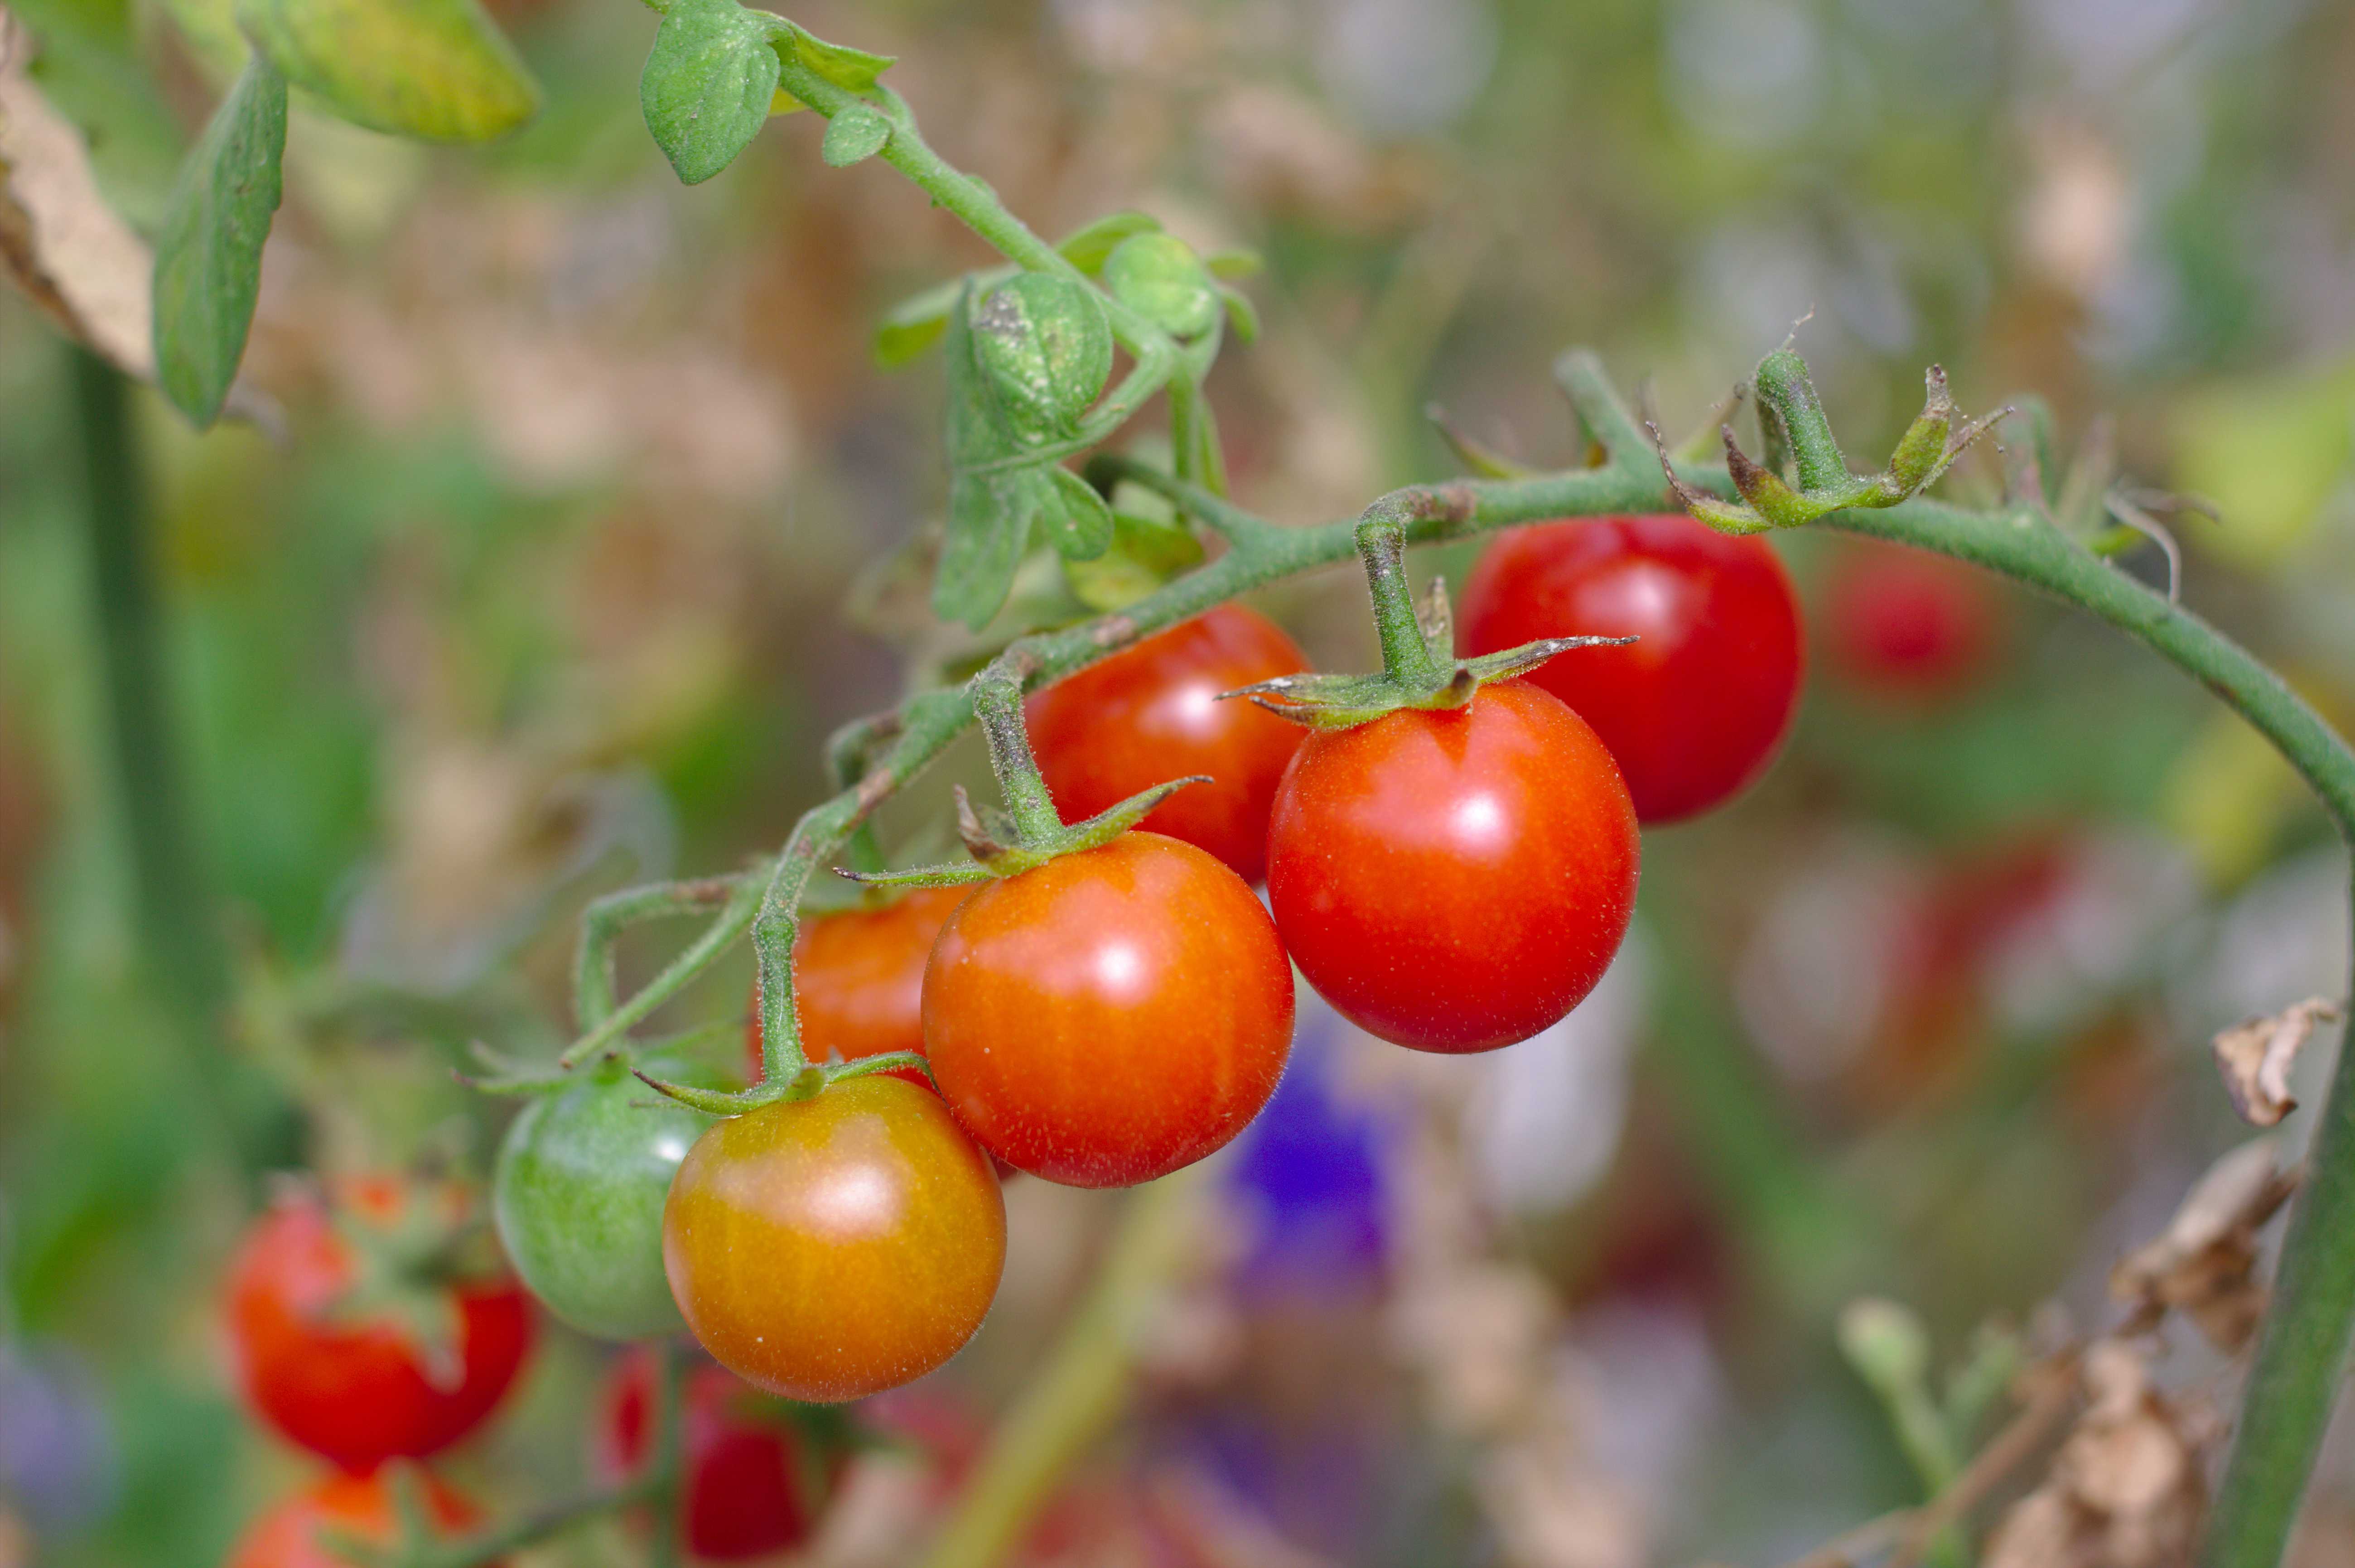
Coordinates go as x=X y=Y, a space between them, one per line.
x=1028 y=833
x=1803 y=476
x=410 y=1244
x=1419 y=666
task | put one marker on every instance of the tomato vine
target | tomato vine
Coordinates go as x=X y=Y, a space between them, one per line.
x=1029 y=369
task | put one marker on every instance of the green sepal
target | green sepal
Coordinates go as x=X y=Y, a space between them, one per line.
x=996 y=855
x=1159 y=277
x=854 y=136
x=1345 y=702
x=208 y=256
x=439 y=71
x=1477 y=458
x=1089 y=248
x=1800 y=444
x=707 y=83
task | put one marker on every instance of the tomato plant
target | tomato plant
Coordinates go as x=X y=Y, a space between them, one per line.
x=293 y=1534
x=751 y=1483
x=831 y=1247
x=1112 y=1015
x=352 y=1334
x=859 y=980
x=1151 y=711
x=579 y=1195
x=1696 y=707
x=1507 y=820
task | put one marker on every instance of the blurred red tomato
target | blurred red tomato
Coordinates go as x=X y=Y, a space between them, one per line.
x=1907 y=624
x=289 y=1535
x=753 y=1483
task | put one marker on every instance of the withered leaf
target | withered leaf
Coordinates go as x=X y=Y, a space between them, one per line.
x=2254 y=1057
x=2202 y=1264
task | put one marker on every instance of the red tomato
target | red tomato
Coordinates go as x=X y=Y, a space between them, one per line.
x=1112 y=1015
x=859 y=980
x=829 y=1248
x=288 y=1535
x=1909 y=624
x=353 y=1385
x=1696 y=708
x=1454 y=880
x=751 y=1486
x=1150 y=714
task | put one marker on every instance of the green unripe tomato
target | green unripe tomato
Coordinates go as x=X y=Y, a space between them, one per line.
x=579 y=1196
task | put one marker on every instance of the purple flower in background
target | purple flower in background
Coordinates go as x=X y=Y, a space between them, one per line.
x=57 y=1461
x=1308 y=1178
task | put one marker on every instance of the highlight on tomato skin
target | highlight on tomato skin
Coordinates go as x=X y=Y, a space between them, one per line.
x=858 y=981
x=1695 y=709
x=753 y=1483
x=363 y=1390
x=1508 y=820
x=1110 y=1016
x=1150 y=713
x=292 y=1534
x=830 y=1249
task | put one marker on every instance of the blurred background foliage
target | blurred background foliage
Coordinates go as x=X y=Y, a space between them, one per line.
x=563 y=559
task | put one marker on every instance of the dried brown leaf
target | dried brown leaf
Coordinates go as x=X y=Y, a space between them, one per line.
x=70 y=252
x=2254 y=1057
x=2126 y=1489
x=2203 y=1263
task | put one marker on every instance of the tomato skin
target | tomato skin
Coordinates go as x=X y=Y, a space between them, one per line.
x=829 y=1248
x=360 y=1393
x=578 y=1193
x=1150 y=714
x=858 y=981
x=288 y=1536
x=751 y=1484
x=1455 y=881
x=1112 y=1015
x=1696 y=708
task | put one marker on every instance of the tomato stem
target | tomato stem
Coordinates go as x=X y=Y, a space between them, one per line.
x=997 y=705
x=1408 y=661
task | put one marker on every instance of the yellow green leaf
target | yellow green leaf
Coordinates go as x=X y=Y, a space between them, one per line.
x=435 y=70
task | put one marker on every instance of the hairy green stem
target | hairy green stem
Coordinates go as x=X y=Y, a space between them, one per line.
x=1407 y=660
x=997 y=704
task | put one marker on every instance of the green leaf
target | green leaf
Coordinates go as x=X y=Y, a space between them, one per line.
x=989 y=512
x=1045 y=348
x=855 y=135
x=1074 y=518
x=853 y=70
x=208 y=254
x=435 y=69
x=1144 y=553
x=1088 y=249
x=916 y=323
x=988 y=529
x=1160 y=278
x=1232 y=265
x=1241 y=314
x=707 y=85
